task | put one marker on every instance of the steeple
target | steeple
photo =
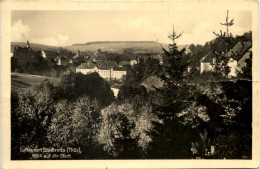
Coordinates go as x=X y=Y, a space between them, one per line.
x=78 y=52
x=28 y=44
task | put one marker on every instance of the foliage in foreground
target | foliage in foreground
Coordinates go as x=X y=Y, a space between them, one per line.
x=209 y=116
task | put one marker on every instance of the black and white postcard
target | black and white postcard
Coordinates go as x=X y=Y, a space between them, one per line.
x=143 y=84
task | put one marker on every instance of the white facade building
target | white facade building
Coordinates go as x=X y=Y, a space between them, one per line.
x=106 y=71
x=206 y=62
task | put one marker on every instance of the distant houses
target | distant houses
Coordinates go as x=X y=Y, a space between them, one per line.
x=106 y=69
x=63 y=61
x=98 y=63
x=78 y=58
x=238 y=55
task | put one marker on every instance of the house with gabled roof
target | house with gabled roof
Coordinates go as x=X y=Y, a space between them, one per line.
x=206 y=62
x=238 y=55
x=63 y=61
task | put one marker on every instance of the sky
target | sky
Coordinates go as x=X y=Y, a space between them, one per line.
x=63 y=28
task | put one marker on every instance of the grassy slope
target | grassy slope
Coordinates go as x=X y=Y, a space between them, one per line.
x=27 y=82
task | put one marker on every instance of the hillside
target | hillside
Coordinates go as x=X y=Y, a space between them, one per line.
x=27 y=82
x=108 y=46
x=35 y=46
x=119 y=46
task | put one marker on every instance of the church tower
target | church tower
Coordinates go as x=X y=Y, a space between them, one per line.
x=28 y=44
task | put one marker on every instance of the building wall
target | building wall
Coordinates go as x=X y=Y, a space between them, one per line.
x=84 y=71
x=205 y=66
x=233 y=67
x=117 y=74
x=24 y=58
x=106 y=74
x=63 y=62
x=43 y=54
x=133 y=62
x=115 y=91
x=241 y=63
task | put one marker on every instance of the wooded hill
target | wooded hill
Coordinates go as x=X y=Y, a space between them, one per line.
x=105 y=46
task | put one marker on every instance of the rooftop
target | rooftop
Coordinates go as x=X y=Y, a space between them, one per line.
x=100 y=64
x=239 y=50
x=208 y=57
x=124 y=63
x=87 y=65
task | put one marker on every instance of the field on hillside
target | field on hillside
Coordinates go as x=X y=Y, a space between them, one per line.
x=120 y=46
x=27 y=82
x=105 y=46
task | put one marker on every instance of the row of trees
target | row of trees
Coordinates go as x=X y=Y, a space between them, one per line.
x=58 y=116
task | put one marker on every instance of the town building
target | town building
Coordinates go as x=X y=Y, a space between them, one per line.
x=118 y=73
x=133 y=62
x=116 y=88
x=78 y=58
x=63 y=61
x=24 y=55
x=49 y=55
x=238 y=55
x=240 y=52
x=106 y=69
x=206 y=63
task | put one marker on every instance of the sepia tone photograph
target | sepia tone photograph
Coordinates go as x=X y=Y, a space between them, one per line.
x=131 y=84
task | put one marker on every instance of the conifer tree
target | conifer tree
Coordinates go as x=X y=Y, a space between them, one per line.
x=224 y=41
x=171 y=139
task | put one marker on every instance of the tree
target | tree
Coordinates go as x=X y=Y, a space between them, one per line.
x=64 y=52
x=124 y=131
x=45 y=91
x=30 y=118
x=172 y=139
x=115 y=133
x=77 y=124
x=234 y=139
x=223 y=43
x=74 y=85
